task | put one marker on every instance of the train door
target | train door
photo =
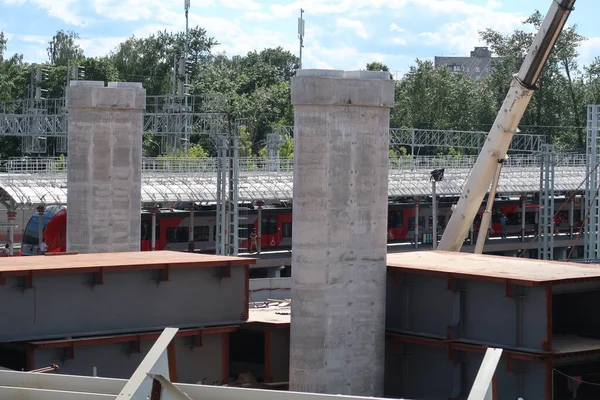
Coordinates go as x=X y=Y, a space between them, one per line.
x=269 y=239
x=146 y=235
x=396 y=227
x=286 y=230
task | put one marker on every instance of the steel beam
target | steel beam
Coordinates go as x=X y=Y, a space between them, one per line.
x=482 y=386
x=156 y=362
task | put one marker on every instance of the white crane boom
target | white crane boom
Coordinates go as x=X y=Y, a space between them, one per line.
x=505 y=126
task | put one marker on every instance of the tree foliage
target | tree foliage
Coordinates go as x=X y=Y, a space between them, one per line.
x=257 y=85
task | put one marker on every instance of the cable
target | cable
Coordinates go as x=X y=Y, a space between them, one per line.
x=572 y=377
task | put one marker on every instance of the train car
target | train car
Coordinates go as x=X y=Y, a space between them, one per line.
x=172 y=225
x=54 y=230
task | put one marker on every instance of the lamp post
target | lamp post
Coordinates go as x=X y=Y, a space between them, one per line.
x=437 y=175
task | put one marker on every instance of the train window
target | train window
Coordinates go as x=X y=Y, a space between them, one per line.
x=411 y=223
x=513 y=218
x=147 y=230
x=269 y=225
x=530 y=217
x=171 y=235
x=441 y=221
x=396 y=219
x=183 y=235
x=201 y=233
x=177 y=235
x=286 y=229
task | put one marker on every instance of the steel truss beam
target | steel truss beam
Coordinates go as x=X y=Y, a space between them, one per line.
x=417 y=138
x=546 y=209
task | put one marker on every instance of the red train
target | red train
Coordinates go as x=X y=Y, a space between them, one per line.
x=172 y=230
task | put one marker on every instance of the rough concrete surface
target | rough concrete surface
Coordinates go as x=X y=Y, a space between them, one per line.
x=104 y=166
x=340 y=231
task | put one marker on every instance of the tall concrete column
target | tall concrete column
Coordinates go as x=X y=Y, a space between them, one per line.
x=105 y=127
x=340 y=231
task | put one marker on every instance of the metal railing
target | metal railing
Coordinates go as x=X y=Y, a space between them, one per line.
x=258 y=164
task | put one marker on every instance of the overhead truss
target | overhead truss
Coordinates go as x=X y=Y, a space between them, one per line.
x=207 y=114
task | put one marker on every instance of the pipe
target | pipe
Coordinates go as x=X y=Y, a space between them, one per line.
x=434 y=214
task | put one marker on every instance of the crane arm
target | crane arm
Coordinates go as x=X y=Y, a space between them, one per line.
x=505 y=126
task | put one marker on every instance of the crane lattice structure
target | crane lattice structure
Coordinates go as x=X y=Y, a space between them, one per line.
x=546 y=207
x=592 y=200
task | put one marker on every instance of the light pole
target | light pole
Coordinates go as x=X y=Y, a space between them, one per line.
x=187 y=9
x=437 y=175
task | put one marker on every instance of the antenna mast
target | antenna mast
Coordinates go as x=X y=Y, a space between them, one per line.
x=301 y=34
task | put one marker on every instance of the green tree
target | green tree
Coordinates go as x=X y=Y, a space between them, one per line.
x=63 y=47
x=559 y=100
x=377 y=66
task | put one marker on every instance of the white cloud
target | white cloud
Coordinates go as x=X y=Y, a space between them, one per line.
x=249 y=5
x=395 y=28
x=352 y=25
x=589 y=50
x=63 y=10
x=99 y=47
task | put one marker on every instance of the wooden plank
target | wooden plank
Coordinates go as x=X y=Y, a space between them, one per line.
x=486 y=267
x=149 y=259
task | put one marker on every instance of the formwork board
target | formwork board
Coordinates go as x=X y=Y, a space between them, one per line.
x=432 y=371
x=107 y=261
x=197 y=360
x=523 y=271
x=490 y=313
x=117 y=301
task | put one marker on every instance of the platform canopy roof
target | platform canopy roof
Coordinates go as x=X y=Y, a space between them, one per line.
x=29 y=190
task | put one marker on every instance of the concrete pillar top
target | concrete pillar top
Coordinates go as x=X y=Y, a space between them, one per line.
x=118 y=95
x=344 y=88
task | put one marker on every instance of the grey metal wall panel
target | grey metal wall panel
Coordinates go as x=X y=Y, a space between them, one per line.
x=474 y=310
x=128 y=301
x=489 y=316
x=280 y=354
x=426 y=372
x=115 y=360
x=534 y=329
x=419 y=304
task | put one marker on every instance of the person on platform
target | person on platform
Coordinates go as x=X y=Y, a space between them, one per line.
x=43 y=247
x=503 y=222
x=253 y=240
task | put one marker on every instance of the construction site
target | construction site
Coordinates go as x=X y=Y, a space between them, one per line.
x=186 y=279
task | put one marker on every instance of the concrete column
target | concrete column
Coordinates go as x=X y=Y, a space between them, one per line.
x=105 y=127
x=340 y=231
x=11 y=217
x=153 y=212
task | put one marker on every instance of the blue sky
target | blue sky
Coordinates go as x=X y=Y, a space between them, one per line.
x=341 y=34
